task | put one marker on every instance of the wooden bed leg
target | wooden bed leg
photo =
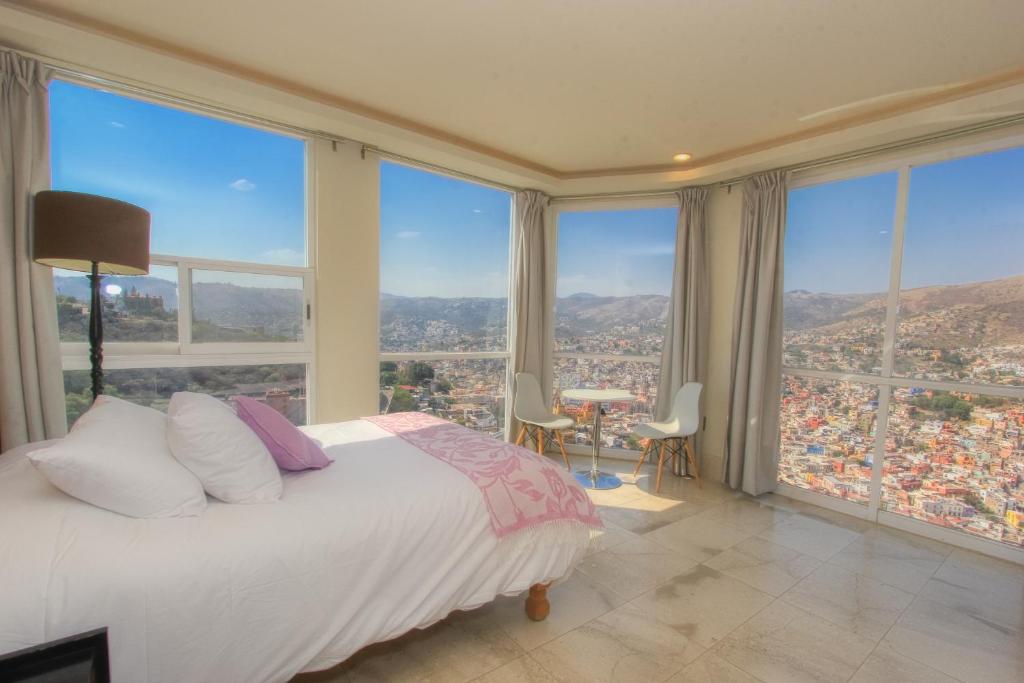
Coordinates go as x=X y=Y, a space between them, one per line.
x=537 y=605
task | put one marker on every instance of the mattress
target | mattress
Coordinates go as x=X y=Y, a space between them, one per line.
x=384 y=540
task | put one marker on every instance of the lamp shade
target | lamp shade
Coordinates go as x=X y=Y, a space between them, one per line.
x=73 y=230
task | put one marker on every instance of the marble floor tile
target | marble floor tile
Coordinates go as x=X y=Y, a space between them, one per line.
x=624 y=646
x=840 y=519
x=809 y=536
x=784 y=644
x=893 y=557
x=698 y=537
x=746 y=513
x=959 y=644
x=522 y=670
x=710 y=668
x=885 y=665
x=608 y=537
x=764 y=565
x=574 y=602
x=987 y=588
x=682 y=488
x=646 y=513
x=702 y=604
x=856 y=603
x=634 y=567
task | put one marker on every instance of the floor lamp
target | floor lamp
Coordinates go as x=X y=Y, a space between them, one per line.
x=96 y=235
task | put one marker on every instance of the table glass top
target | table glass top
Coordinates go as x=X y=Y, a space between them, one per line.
x=598 y=395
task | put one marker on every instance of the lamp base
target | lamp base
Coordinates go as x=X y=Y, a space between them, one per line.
x=96 y=332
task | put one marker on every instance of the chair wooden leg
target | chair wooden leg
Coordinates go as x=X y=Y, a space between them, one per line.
x=561 y=447
x=537 y=605
x=540 y=441
x=643 y=457
x=693 y=461
x=522 y=436
x=661 y=461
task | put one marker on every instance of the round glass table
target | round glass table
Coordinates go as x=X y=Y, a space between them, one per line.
x=594 y=478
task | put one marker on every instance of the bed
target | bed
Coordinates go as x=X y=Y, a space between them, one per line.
x=387 y=539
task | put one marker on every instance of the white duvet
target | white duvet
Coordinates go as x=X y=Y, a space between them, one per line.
x=384 y=540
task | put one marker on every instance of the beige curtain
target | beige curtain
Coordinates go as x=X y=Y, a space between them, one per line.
x=751 y=460
x=685 y=352
x=532 y=292
x=31 y=386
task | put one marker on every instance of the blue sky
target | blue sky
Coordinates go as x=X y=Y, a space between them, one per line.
x=215 y=189
x=616 y=253
x=965 y=223
x=441 y=236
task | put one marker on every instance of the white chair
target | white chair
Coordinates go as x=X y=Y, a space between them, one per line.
x=528 y=407
x=674 y=433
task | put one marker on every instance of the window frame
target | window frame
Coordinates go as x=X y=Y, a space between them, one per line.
x=184 y=353
x=506 y=354
x=555 y=210
x=902 y=164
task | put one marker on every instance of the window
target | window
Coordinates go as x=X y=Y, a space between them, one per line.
x=444 y=297
x=612 y=292
x=225 y=307
x=904 y=343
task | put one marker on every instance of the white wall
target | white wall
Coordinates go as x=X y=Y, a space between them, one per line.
x=347 y=282
x=723 y=251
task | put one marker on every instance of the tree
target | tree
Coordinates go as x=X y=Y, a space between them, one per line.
x=402 y=401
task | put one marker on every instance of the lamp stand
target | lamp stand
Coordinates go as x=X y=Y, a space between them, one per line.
x=96 y=332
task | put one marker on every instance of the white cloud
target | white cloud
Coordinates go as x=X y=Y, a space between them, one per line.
x=407 y=234
x=652 y=250
x=243 y=185
x=116 y=124
x=287 y=257
x=478 y=210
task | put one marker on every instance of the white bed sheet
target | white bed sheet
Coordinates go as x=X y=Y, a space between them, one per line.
x=384 y=540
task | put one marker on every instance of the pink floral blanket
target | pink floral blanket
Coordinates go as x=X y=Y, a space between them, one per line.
x=521 y=489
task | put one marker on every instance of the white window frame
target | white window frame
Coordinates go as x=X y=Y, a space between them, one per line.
x=186 y=354
x=506 y=353
x=584 y=206
x=885 y=380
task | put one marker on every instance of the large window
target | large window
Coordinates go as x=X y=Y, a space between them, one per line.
x=444 y=297
x=904 y=343
x=613 y=286
x=226 y=306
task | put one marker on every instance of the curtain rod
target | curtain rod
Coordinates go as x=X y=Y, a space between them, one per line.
x=79 y=73
x=866 y=152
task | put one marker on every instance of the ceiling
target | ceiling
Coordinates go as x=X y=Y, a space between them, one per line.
x=592 y=87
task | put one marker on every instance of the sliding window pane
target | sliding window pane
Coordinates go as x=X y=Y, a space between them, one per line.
x=282 y=387
x=837 y=256
x=246 y=307
x=638 y=377
x=956 y=460
x=828 y=436
x=142 y=308
x=961 y=315
x=469 y=392
x=444 y=262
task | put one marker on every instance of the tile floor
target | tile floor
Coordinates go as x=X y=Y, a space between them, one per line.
x=706 y=585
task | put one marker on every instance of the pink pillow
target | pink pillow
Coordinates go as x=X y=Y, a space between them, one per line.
x=292 y=450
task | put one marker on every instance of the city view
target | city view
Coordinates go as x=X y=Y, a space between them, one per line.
x=953 y=451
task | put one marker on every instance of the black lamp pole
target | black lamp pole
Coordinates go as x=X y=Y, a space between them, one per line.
x=96 y=332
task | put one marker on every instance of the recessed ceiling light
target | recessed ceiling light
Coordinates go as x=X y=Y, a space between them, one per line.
x=682 y=156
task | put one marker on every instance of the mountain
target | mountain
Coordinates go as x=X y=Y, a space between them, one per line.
x=77 y=286
x=987 y=313
x=577 y=314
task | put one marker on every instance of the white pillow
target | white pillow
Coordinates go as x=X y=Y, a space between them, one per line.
x=116 y=457
x=208 y=438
